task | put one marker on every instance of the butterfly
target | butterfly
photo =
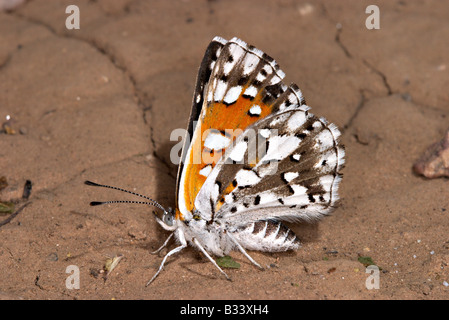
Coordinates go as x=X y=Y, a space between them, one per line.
x=253 y=157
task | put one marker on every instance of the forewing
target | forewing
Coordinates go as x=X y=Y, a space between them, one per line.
x=245 y=86
x=210 y=57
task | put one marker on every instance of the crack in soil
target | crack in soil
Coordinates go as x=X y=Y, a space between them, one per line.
x=36 y=282
x=348 y=54
x=120 y=66
x=340 y=43
x=160 y=158
x=360 y=106
x=373 y=69
x=382 y=75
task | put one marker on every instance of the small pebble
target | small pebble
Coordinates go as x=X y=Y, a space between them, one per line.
x=52 y=256
x=94 y=273
x=406 y=97
x=305 y=9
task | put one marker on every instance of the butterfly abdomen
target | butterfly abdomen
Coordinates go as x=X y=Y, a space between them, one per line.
x=267 y=236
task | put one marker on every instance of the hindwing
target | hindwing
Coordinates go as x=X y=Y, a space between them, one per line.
x=295 y=177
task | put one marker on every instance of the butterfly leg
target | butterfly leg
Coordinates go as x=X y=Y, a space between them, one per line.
x=164 y=245
x=209 y=257
x=175 y=250
x=242 y=250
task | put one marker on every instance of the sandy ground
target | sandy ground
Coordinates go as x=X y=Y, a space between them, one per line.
x=100 y=103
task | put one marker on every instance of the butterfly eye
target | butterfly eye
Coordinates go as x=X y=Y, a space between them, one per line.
x=167 y=218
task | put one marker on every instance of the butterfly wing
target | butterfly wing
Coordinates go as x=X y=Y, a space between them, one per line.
x=245 y=85
x=210 y=57
x=298 y=175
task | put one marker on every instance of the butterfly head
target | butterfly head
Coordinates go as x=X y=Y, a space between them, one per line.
x=168 y=219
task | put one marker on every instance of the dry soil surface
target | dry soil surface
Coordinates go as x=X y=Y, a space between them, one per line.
x=100 y=103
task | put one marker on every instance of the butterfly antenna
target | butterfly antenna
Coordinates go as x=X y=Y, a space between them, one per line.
x=97 y=203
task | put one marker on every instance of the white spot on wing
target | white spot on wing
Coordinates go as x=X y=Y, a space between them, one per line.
x=267 y=197
x=292 y=98
x=280 y=147
x=228 y=198
x=274 y=80
x=299 y=190
x=317 y=125
x=268 y=69
x=255 y=110
x=236 y=53
x=209 y=96
x=250 y=63
x=246 y=178
x=324 y=140
x=296 y=120
x=232 y=94
x=238 y=152
x=326 y=182
x=251 y=91
x=260 y=77
x=289 y=176
x=265 y=133
x=206 y=170
x=215 y=191
x=216 y=141
x=220 y=90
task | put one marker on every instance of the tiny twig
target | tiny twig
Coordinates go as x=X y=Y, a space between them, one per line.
x=12 y=216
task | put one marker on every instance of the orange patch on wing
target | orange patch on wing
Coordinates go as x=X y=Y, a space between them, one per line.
x=227 y=191
x=232 y=120
x=178 y=215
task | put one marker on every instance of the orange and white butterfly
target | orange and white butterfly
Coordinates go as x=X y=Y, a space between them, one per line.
x=253 y=156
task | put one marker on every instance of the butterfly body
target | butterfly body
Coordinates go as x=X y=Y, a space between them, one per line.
x=212 y=236
x=262 y=235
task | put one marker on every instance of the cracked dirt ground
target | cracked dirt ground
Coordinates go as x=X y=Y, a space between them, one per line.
x=100 y=103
